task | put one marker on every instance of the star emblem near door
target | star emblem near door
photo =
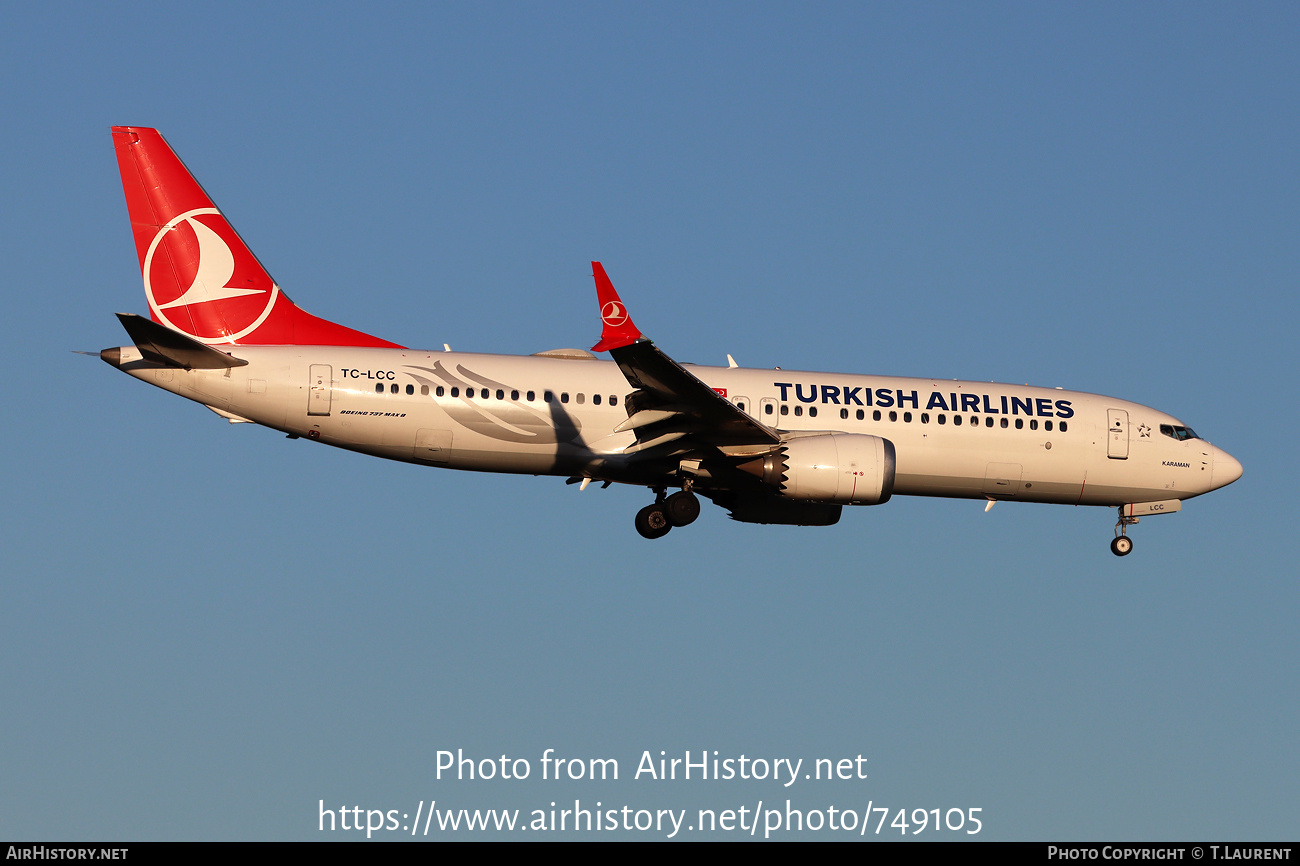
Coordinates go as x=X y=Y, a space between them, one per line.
x=1144 y=431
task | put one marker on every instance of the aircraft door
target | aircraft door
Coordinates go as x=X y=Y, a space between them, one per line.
x=767 y=411
x=1117 y=434
x=320 y=388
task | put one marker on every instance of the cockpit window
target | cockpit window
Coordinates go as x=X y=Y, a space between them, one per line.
x=1179 y=433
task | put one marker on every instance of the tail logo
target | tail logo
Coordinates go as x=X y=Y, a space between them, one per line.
x=219 y=310
x=613 y=314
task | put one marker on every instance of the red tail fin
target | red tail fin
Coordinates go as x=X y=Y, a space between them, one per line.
x=199 y=276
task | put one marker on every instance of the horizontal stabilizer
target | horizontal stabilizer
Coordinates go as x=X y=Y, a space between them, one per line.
x=162 y=345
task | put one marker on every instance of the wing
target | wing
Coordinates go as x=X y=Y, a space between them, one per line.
x=670 y=406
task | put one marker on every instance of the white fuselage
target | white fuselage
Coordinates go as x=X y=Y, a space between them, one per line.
x=556 y=416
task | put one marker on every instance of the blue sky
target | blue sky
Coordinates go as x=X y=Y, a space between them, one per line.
x=208 y=629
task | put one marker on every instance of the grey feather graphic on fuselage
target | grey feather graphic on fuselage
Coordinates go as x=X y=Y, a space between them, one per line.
x=504 y=420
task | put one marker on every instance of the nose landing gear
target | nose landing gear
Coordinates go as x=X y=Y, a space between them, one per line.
x=1122 y=545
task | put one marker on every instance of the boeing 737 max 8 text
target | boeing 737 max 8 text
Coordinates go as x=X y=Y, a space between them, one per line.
x=771 y=446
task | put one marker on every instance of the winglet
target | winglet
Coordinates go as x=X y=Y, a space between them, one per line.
x=619 y=330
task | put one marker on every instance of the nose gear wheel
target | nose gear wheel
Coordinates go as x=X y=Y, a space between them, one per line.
x=1122 y=545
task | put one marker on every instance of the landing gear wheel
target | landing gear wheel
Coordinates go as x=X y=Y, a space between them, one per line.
x=652 y=522
x=682 y=508
x=1123 y=545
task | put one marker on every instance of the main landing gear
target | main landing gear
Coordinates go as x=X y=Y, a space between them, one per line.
x=1122 y=545
x=680 y=509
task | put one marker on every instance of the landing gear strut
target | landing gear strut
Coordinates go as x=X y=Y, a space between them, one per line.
x=1122 y=545
x=680 y=509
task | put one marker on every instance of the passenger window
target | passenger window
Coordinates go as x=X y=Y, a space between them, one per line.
x=613 y=399
x=844 y=414
x=1005 y=423
x=1033 y=424
x=907 y=417
x=767 y=408
x=1020 y=423
x=514 y=395
x=595 y=398
x=455 y=392
x=740 y=406
x=582 y=398
x=1047 y=425
x=943 y=419
x=956 y=420
x=548 y=397
x=532 y=395
x=424 y=390
x=875 y=415
x=812 y=411
x=785 y=409
x=1063 y=427
x=925 y=417
x=798 y=410
x=564 y=396
x=379 y=389
x=860 y=414
x=501 y=395
x=988 y=421
x=974 y=421
x=439 y=391
x=410 y=389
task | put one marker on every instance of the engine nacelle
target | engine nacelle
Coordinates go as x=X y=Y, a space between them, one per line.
x=849 y=468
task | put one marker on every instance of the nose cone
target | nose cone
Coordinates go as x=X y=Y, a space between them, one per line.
x=1225 y=469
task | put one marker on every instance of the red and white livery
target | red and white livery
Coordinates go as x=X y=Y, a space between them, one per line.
x=770 y=446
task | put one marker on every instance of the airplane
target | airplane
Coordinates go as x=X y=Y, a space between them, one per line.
x=770 y=446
